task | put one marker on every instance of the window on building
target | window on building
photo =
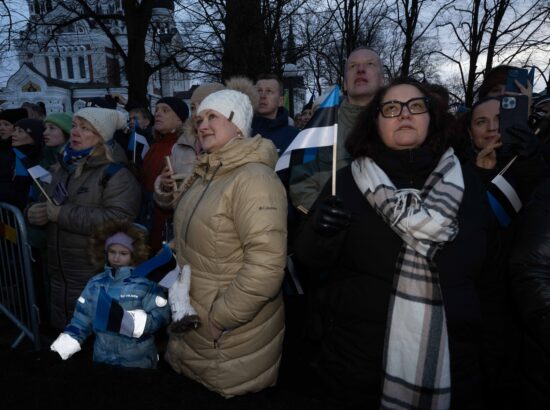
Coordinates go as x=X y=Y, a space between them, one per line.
x=49 y=5
x=57 y=63
x=70 y=70
x=47 y=65
x=82 y=67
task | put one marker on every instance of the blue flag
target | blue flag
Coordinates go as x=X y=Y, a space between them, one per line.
x=162 y=268
x=320 y=131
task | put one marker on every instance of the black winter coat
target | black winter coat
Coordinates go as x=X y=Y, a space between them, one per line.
x=352 y=302
x=530 y=282
x=14 y=189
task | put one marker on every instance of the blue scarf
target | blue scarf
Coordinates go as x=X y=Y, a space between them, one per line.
x=71 y=156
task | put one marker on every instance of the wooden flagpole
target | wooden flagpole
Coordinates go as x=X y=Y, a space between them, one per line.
x=37 y=182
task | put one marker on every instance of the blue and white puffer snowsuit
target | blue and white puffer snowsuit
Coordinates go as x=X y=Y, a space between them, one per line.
x=131 y=293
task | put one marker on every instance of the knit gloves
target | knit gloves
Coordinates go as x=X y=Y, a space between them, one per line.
x=52 y=211
x=183 y=314
x=37 y=214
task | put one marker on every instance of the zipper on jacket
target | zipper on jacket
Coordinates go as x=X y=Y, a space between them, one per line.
x=200 y=199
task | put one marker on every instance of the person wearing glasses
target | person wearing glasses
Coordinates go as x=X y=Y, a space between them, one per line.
x=397 y=314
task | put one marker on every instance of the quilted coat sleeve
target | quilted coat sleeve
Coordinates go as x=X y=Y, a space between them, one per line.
x=259 y=211
x=120 y=200
x=80 y=326
x=156 y=306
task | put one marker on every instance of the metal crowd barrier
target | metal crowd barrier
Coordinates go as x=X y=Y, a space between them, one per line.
x=17 y=299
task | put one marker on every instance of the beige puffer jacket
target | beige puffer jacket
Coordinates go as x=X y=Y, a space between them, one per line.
x=230 y=227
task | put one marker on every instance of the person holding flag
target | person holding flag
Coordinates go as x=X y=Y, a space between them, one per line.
x=363 y=76
x=88 y=187
x=404 y=245
x=26 y=144
x=8 y=118
x=57 y=127
x=122 y=310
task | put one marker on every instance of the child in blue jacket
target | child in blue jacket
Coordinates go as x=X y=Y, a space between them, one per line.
x=142 y=304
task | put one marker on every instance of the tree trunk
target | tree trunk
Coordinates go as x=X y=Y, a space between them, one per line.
x=137 y=19
x=244 y=40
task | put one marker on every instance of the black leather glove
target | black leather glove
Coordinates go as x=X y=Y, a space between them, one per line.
x=523 y=142
x=331 y=217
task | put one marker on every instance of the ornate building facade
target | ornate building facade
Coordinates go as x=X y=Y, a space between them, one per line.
x=65 y=60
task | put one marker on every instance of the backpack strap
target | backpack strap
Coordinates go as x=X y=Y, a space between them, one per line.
x=109 y=171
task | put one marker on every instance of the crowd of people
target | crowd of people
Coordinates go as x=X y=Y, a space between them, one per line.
x=421 y=248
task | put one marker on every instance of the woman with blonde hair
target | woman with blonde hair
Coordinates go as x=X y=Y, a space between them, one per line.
x=88 y=187
x=230 y=229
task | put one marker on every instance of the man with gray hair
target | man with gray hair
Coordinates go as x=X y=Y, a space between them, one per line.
x=363 y=76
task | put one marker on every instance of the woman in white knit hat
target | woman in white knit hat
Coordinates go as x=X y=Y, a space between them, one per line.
x=230 y=229
x=88 y=187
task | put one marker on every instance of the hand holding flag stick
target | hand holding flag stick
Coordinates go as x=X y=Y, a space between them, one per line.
x=168 y=182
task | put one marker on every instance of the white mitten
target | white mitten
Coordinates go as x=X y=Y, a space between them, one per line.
x=65 y=345
x=178 y=295
x=139 y=317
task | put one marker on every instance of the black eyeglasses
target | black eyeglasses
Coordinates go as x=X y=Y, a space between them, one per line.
x=394 y=108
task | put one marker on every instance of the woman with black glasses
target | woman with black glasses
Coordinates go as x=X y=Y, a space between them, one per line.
x=397 y=311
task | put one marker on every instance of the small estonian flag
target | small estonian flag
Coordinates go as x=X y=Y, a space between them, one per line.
x=504 y=200
x=135 y=139
x=111 y=317
x=320 y=132
x=162 y=268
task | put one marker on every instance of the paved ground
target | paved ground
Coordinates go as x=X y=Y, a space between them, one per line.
x=40 y=380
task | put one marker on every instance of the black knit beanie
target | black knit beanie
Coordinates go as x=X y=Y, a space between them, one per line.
x=177 y=105
x=35 y=128
x=13 y=115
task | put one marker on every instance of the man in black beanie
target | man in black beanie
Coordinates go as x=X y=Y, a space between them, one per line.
x=177 y=105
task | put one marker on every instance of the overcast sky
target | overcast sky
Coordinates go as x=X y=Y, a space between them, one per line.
x=19 y=8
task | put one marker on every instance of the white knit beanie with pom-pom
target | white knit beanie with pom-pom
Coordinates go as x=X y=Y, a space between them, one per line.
x=104 y=120
x=233 y=105
x=237 y=103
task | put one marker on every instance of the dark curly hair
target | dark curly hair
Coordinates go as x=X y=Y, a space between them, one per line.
x=96 y=245
x=364 y=139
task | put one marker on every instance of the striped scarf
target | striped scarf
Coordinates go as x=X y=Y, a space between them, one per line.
x=416 y=364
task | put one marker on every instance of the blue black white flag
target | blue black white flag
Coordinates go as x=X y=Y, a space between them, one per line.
x=162 y=268
x=504 y=200
x=320 y=131
x=111 y=317
x=135 y=139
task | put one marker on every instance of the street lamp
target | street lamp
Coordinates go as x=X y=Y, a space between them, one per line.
x=291 y=80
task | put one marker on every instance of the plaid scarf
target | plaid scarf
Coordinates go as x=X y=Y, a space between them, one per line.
x=416 y=354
